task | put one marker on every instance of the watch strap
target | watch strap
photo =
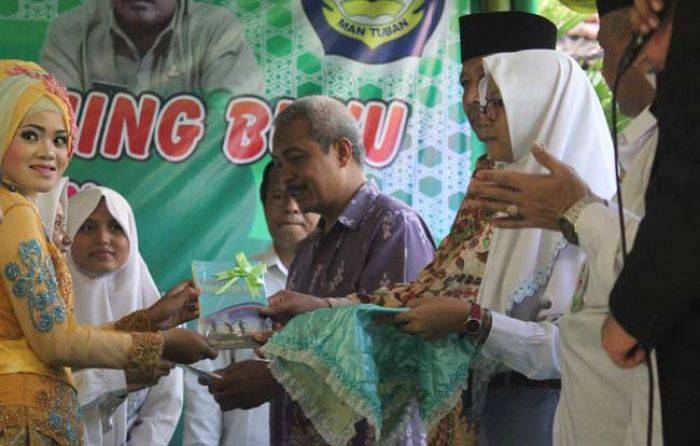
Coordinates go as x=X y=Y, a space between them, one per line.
x=567 y=220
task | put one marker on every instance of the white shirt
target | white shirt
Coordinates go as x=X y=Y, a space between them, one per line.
x=602 y=404
x=530 y=347
x=523 y=270
x=148 y=417
x=205 y=423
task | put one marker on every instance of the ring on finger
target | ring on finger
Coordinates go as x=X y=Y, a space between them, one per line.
x=512 y=210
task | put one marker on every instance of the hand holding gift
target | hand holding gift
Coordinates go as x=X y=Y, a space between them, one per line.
x=186 y=347
x=178 y=306
x=230 y=303
x=283 y=305
x=244 y=385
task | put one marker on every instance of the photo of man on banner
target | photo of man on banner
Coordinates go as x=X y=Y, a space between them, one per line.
x=163 y=46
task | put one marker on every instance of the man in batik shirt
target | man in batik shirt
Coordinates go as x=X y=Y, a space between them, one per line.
x=365 y=240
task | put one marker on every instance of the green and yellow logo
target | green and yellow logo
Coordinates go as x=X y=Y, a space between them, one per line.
x=374 y=31
x=373 y=22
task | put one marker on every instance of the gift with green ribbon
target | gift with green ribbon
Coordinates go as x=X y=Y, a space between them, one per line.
x=230 y=302
x=252 y=276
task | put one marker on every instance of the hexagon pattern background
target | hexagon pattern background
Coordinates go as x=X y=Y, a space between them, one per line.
x=433 y=166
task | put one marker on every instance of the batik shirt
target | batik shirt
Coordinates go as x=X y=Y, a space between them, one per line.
x=376 y=241
x=456 y=271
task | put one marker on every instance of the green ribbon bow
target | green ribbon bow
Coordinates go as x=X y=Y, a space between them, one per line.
x=253 y=276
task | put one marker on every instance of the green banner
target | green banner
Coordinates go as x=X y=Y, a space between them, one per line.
x=175 y=100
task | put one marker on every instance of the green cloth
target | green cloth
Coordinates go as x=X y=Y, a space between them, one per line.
x=341 y=367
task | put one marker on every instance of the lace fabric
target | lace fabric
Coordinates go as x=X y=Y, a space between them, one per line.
x=341 y=368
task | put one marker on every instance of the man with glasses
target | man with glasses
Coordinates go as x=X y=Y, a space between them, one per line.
x=490 y=33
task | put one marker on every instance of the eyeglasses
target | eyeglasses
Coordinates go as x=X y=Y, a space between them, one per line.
x=492 y=108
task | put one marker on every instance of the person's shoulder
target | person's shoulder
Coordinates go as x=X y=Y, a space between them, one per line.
x=387 y=205
x=390 y=215
x=306 y=243
x=10 y=200
x=18 y=208
x=75 y=18
x=390 y=212
x=205 y=16
x=268 y=257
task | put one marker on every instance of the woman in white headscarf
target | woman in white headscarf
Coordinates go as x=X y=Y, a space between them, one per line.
x=116 y=412
x=531 y=274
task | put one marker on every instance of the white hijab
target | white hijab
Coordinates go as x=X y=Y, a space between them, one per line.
x=48 y=203
x=547 y=98
x=102 y=299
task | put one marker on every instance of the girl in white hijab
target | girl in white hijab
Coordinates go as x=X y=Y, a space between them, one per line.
x=115 y=412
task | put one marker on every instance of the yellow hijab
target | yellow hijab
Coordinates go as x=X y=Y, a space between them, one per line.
x=22 y=86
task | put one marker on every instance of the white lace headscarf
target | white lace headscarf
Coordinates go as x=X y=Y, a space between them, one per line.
x=548 y=99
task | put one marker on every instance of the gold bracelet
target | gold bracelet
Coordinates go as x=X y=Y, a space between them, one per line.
x=143 y=362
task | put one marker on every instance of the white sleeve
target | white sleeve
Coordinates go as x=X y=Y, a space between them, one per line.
x=100 y=393
x=202 y=415
x=527 y=341
x=599 y=237
x=339 y=302
x=529 y=348
x=159 y=413
x=94 y=385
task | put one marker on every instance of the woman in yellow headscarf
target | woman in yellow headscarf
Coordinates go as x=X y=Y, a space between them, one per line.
x=39 y=338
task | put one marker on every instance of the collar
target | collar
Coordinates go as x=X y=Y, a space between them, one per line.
x=634 y=137
x=272 y=260
x=168 y=30
x=358 y=206
x=12 y=188
x=639 y=126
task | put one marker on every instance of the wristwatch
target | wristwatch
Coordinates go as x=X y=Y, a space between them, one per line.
x=567 y=220
x=472 y=325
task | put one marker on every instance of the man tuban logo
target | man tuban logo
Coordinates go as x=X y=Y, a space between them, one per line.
x=374 y=31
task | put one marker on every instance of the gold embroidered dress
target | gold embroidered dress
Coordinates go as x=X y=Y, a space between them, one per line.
x=37 y=324
x=39 y=338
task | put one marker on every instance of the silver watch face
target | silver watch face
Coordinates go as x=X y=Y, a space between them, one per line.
x=568 y=230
